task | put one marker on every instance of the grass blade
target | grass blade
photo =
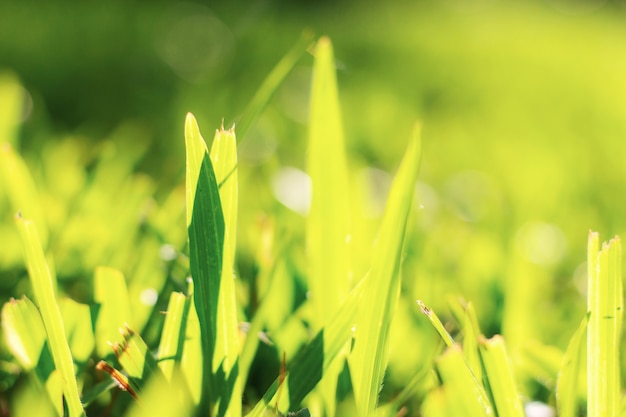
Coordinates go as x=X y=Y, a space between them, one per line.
x=567 y=381
x=226 y=360
x=271 y=84
x=499 y=376
x=436 y=323
x=133 y=355
x=43 y=285
x=212 y=295
x=605 y=306
x=173 y=337
x=328 y=225
x=23 y=331
x=328 y=220
x=382 y=287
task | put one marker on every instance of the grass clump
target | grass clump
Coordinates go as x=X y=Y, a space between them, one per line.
x=328 y=331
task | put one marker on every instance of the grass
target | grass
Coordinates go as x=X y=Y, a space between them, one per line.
x=322 y=335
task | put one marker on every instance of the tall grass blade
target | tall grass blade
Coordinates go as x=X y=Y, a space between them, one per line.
x=328 y=225
x=605 y=305
x=567 y=381
x=382 y=287
x=328 y=229
x=224 y=159
x=43 y=284
x=207 y=229
x=499 y=377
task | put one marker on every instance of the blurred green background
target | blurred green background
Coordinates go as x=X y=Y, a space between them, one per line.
x=524 y=137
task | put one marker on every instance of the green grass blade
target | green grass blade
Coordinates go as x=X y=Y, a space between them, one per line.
x=567 y=381
x=23 y=331
x=499 y=375
x=328 y=220
x=111 y=294
x=382 y=287
x=605 y=304
x=43 y=287
x=173 y=336
x=308 y=367
x=271 y=84
x=328 y=225
x=192 y=353
x=223 y=156
x=436 y=323
x=464 y=396
x=195 y=152
x=212 y=295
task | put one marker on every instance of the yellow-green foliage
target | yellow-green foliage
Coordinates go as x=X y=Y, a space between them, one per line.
x=214 y=298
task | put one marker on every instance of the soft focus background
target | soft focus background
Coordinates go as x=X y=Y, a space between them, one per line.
x=524 y=143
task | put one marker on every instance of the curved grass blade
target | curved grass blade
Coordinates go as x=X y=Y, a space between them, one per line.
x=605 y=305
x=43 y=287
x=382 y=287
x=271 y=84
x=567 y=381
x=212 y=294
